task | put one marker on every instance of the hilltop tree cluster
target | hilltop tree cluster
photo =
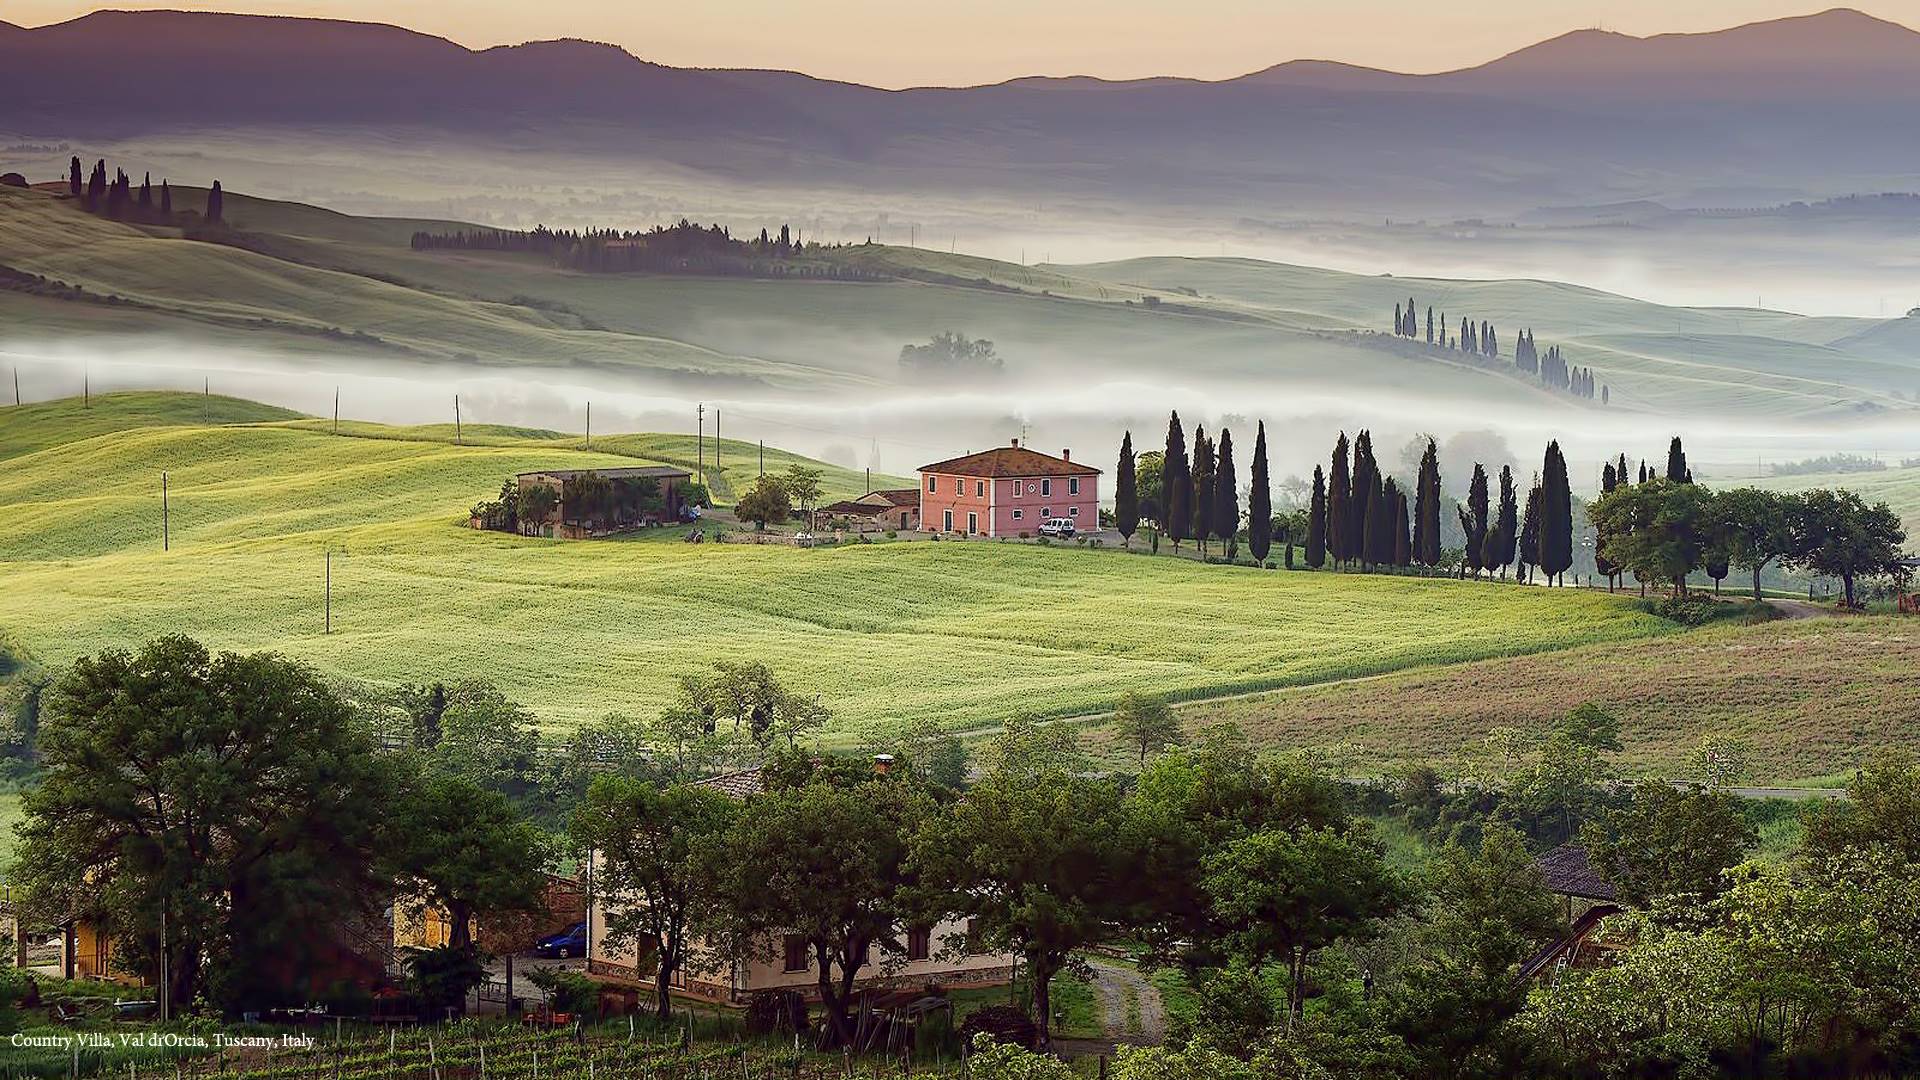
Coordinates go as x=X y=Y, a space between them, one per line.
x=117 y=198
x=1663 y=527
x=1481 y=339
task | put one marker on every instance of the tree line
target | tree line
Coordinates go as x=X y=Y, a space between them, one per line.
x=1481 y=339
x=683 y=247
x=117 y=198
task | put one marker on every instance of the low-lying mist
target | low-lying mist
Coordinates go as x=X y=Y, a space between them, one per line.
x=893 y=431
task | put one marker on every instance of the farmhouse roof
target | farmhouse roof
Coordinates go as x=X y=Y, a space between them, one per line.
x=895 y=496
x=1012 y=460
x=653 y=472
x=737 y=785
x=875 y=501
x=1569 y=873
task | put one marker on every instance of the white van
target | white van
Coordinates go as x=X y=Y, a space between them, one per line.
x=1060 y=527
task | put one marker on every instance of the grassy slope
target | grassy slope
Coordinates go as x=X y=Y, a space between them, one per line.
x=1811 y=698
x=966 y=633
x=227 y=286
x=40 y=425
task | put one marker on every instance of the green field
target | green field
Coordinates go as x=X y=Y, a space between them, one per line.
x=1898 y=488
x=964 y=633
x=303 y=279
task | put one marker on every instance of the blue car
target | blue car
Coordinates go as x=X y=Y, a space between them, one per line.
x=564 y=945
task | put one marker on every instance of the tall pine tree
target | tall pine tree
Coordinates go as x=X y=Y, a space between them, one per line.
x=1473 y=520
x=1176 y=487
x=1402 y=542
x=1365 y=483
x=1126 y=496
x=1260 y=501
x=1226 y=494
x=1506 y=523
x=1339 y=495
x=75 y=184
x=1529 y=546
x=1556 y=516
x=1426 y=509
x=216 y=203
x=1317 y=522
x=1677 y=470
x=1202 y=481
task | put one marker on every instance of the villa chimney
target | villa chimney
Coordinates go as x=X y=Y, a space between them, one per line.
x=1016 y=444
x=1066 y=455
x=882 y=764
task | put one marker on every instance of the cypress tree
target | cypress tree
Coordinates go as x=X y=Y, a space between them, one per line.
x=1426 y=510
x=1556 y=515
x=1126 y=495
x=1609 y=480
x=1339 y=494
x=1402 y=543
x=1201 y=483
x=1473 y=520
x=74 y=182
x=1260 y=501
x=1383 y=505
x=1365 y=482
x=1529 y=546
x=1317 y=522
x=1677 y=470
x=1506 y=524
x=216 y=203
x=1176 y=488
x=97 y=185
x=1429 y=325
x=1399 y=320
x=166 y=198
x=1226 y=494
x=1412 y=324
x=146 y=191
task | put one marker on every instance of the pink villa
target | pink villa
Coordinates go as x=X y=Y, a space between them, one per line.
x=1007 y=491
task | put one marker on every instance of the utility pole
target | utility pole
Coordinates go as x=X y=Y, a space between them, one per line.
x=589 y=425
x=716 y=441
x=763 y=457
x=86 y=388
x=166 y=526
x=456 y=421
x=206 y=399
x=329 y=591
x=16 y=384
x=336 y=410
x=700 y=440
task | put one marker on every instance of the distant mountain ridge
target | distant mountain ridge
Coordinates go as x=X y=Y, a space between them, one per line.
x=1825 y=99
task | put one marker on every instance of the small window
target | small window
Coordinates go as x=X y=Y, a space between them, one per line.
x=979 y=488
x=933 y=483
x=919 y=943
x=973 y=943
x=795 y=948
x=1073 y=511
x=1046 y=512
x=1016 y=514
x=1046 y=487
x=1013 y=490
x=1073 y=485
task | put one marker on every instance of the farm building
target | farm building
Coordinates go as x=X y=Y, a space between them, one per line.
x=1589 y=897
x=898 y=508
x=1007 y=491
x=594 y=502
x=791 y=966
x=417 y=925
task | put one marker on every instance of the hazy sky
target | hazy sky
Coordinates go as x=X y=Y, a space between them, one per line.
x=950 y=42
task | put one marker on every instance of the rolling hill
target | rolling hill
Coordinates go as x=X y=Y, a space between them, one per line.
x=295 y=278
x=963 y=633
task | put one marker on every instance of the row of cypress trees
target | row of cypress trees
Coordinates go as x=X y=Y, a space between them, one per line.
x=1483 y=339
x=1359 y=517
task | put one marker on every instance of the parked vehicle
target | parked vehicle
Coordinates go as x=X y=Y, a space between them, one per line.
x=804 y=539
x=1060 y=527
x=564 y=945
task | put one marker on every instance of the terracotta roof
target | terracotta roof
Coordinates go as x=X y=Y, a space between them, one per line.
x=1013 y=460
x=737 y=785
x=1568 y=873
x=897 y=496
x=848 y=506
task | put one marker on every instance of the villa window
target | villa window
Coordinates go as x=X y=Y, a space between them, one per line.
x=919 y=943
x=1046 y=487
x=1073 y=485
x=979 y=489
x=1017 y=513
x=1073 y=511
x=795 y=949
x=933 y=483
